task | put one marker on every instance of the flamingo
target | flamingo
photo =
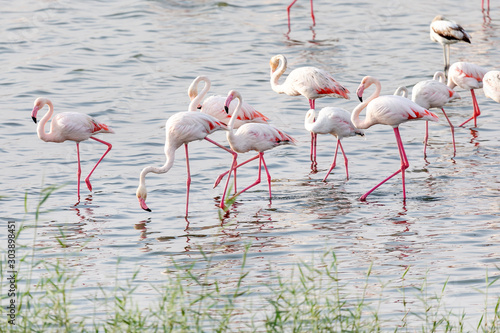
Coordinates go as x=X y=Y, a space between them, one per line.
x=214 y=105
x=288 y=12
x=181 y=129
x=389 y=110
x=334 y=121
x=401 y=91
x=435 y=94
x=491 y=85
x=252 y=136
x=467 y=76
x=71 y=126
x=446 y=32
x=310 y=82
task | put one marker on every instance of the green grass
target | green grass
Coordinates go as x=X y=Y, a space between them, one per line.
x=311 y=297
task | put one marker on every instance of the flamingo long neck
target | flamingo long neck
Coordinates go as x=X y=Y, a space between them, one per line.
x=235 y=114
x=46 y=136
x=193 y=105
x=170 y=155
x=364 y=124
x=276 y=74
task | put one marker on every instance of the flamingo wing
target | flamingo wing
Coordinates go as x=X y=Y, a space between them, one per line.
x=432 y=94
x=450 y=31
x=467 y=75
x=214 y=105
x=259 y=137
x=191 y=126
x=335 y=121
x=394 y=110
x=314 y=83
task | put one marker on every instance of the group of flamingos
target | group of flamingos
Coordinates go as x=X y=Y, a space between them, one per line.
x=247 y=129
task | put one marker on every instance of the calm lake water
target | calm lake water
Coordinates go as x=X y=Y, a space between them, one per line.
x=129 y=64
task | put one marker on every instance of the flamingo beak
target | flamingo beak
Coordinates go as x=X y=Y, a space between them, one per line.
x=226 y=109
x=229 y=99
x=34 y=112
x=142 y=202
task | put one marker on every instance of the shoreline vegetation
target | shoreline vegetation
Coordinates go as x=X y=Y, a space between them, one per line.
x=311 y=297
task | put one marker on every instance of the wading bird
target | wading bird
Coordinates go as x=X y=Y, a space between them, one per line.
x=467 y=76
x=334 y=121
x=253 y=136
x=182 y=128
x=389 y=110
x=310 y=82
x=71 y=126
x=435 y=94
x=446 y=32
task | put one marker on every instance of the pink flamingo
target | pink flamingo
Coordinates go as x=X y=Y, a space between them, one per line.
x=71 y=126
x=334 y=121
x=182 y=128
x=310 y=82
x=446 y=32
x=252 y=136
x=389 y=110
x=214 y=105
x=435 y=94
x=288 y=12
x=491 y=85
x=467 y=76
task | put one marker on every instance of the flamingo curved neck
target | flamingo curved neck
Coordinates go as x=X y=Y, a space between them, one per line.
x=276 y=74
x=363 y=124
x=193 y=105
x=234 y=116
x=46 y=136
x=170 y=155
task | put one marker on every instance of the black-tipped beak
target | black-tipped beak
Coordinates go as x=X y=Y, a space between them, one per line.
x=147 y=209
x=226 y=109
x=360 y=98
x=34 y=119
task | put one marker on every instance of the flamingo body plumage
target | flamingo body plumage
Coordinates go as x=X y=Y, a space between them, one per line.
x=468 y=76
x=335 y=121
x=491 y=85
x=72 y=126
x=214 y=105
x=253 y=136
x=389 y=110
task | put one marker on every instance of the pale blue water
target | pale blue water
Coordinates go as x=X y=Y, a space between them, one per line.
x=129 y=64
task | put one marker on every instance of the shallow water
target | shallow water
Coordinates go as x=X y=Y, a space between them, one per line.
x=129 y=64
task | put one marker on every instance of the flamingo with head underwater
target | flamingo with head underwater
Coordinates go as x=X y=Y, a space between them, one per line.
x=73 y=126
x=252 y=136
x=308 y=81
x=335 y=121
x=389 y=110
x=181 y=129
x=469 y=76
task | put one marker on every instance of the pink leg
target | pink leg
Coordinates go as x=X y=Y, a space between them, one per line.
x=223 y=199
x=261 y=159
x=452 y=129
x=188 y=180
x=87 y=180
x=267 y=173
x=334 y=161
x=476 y=112
x=404 y=166
x=79 y=171
x=218 y=180
x=235 y=155
x=314 y=163
x=312 y=13
x=426 y=137
x=288 y=11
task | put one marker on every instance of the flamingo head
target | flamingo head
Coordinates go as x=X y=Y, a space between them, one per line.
x=141 y=196
x=38 y=105
x=365 y=83
x=275 y=61
x=230 y=96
